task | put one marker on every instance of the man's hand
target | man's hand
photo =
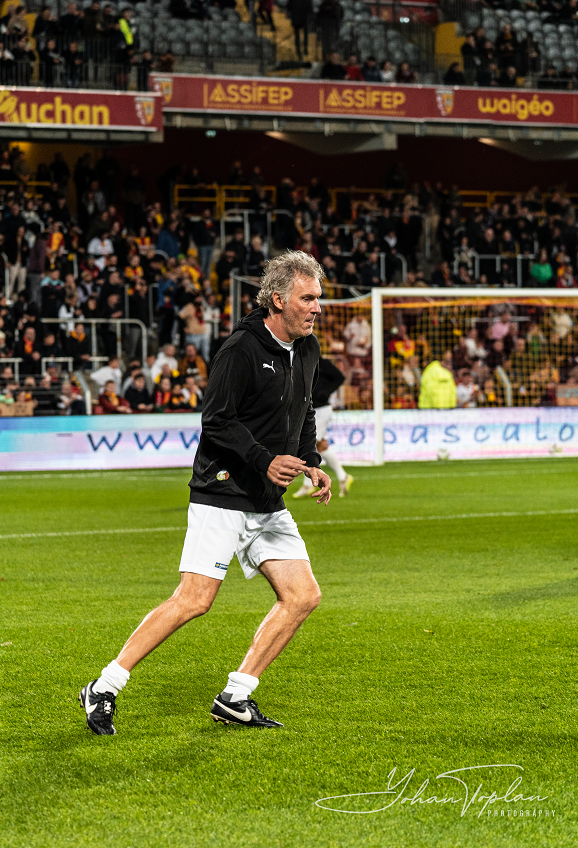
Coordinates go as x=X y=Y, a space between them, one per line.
x=284 y=469
x=323 y=480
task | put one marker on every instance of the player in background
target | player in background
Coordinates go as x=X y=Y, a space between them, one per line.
x=258 y=435
x=329 y=380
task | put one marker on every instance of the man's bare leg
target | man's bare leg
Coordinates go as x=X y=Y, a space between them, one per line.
x=297 y=596
x=193 y=597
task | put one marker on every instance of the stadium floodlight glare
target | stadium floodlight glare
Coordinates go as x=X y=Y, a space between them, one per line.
x=472 y=303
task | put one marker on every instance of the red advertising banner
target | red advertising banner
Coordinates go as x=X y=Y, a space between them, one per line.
x=315 y=98
x=51 y=108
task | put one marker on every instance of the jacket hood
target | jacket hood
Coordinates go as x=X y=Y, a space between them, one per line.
x=254 y=323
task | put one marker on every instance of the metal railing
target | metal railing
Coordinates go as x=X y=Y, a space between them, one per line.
x=86 y=390
x=118 y=324
x=222 y=197
x=498 y=259
x=16 y=362
x=46 y=361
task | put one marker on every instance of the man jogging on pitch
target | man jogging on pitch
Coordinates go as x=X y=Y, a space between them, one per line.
x=258 y=435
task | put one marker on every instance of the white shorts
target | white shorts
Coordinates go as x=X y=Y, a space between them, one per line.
x=323 y=416
x=215 y=535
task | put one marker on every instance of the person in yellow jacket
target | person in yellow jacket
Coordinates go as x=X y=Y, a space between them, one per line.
x=125 y=27
x=438 y=387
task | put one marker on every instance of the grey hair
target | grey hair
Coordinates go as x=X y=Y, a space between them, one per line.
x=280 y=274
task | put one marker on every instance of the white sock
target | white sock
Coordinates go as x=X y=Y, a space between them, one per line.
x=113 y=678
x=240 y=686
x=330 y=458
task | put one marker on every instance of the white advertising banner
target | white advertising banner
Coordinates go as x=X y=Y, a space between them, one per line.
x=162 y=441
x=420 y=434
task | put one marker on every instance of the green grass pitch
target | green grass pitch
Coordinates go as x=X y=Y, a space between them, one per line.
x=439 y=644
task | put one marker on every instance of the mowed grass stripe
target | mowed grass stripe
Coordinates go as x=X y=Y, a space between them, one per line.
x=511 y=467
x=386 y=518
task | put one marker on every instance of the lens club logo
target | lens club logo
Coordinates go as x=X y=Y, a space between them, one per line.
x=445 y=101
x=164 y=85
x=145 y=109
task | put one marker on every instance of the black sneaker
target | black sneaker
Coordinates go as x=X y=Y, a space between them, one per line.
x=240 y=712
x=99 y=710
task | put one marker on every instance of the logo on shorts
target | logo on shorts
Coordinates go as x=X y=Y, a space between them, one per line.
x=223 y=475
x=221 y=565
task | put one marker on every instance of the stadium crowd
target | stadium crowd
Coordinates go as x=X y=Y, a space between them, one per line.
x=469 y=355
x=70 y=276
x=72 y=49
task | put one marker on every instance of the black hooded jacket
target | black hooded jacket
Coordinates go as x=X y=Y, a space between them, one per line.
x=256 y=406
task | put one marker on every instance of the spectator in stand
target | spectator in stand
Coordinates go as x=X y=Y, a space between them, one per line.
x=78 y=346
x=73 y=65
x=168 y=240
x=405 y=74
x=541 y=271
x=134 y=194
x=470 y=58
x=70 y=24
x=49 y=61
x=204 y=235
x=193 y=317
x=192 y=394
x=487 y=76
x=17 y=253
x=507 y=46
x=329 y=15
x=387 y=71
x=138 y=309
x=225 y=267
x=162 y=394
x=466 y=390
x=509 y=77
x=438 y=388
x=453 y=75
x=138 y=396
x=442 y=277
x=369 y=271
x=110 y=401
x=108 y=372
x=352 y=69
x=333 y=69
x=28 y=349
x=549 y=79
x=166 y=356
x=357 y=335
x=370 y=70
x=193 y=365
x=530 y=56
x=24 y=61
x=70 y=401
x=300 y=12
x=255 y=260
x=350 y=277
x=100 y=247
x=265 y=13
x=45 y=28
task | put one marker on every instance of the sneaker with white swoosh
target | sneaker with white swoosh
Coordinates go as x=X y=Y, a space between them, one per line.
x=99 y=709
x=240 y=712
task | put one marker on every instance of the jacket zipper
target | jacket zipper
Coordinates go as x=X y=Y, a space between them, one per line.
x=288 y=428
